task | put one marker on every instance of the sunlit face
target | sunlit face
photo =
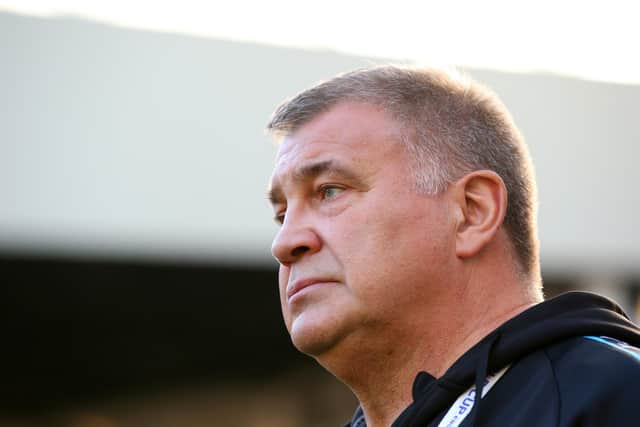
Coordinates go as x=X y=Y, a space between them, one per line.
x=360 y=251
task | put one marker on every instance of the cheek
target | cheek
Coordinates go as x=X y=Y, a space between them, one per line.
x=398 y=245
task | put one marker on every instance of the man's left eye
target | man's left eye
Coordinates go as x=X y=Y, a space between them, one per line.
x=330 y=192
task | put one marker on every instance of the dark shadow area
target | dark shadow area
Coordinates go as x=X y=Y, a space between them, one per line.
x=113 y=343
x=75 y=331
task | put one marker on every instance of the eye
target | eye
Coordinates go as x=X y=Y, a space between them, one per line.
x=329 y=192
x=279 y=218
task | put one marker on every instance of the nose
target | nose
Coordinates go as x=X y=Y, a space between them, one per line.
x=295 y=239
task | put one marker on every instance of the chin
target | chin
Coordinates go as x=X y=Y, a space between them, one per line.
x=315 y=336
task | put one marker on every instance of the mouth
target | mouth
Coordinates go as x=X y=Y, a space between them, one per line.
x=296 y=287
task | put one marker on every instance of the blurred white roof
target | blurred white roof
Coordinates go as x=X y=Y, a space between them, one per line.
x=590 y=39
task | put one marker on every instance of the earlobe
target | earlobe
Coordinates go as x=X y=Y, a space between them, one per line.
x=482 y=199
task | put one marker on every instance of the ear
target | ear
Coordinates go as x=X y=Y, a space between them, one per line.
x=481 y=197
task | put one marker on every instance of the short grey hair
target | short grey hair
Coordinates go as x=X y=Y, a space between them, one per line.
x=452 y=126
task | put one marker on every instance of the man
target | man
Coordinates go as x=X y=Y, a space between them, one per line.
x=409 y=262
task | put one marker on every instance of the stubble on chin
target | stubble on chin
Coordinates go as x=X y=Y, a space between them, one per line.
x=321 y=329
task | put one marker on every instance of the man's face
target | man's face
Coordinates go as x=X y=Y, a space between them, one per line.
x=361 y=252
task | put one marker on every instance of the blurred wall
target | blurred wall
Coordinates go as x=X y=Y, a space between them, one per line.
x=137 y=144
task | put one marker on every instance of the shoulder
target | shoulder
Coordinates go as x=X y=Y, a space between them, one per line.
x=597 y=378
x=595 y=357
x=618 y=345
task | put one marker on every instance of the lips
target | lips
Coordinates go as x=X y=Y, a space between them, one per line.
x=301 y=284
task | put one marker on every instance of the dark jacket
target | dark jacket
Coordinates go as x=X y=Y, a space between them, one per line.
x=574 y=362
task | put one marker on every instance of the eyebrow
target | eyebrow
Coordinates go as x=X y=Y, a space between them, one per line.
x=311 y=171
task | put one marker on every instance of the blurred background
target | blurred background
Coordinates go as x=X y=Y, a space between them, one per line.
x=137 y=288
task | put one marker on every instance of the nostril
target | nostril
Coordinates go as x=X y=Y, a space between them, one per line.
x=299 y=251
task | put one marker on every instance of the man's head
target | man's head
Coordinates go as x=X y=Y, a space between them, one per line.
x=450 y=125
x=387 y=180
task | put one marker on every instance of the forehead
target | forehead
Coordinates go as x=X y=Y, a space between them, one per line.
x=353 y=134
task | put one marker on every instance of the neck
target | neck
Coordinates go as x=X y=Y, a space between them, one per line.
x=381 y=372
x=468 y=338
